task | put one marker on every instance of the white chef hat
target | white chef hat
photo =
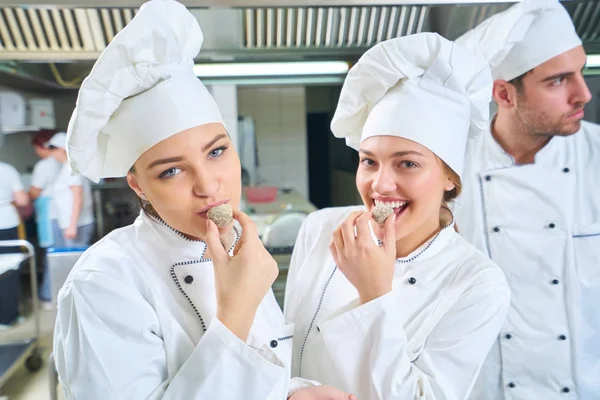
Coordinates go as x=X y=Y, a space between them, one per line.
x=420 y=87
x=58 y=140
x=141 y=91
x=523 y=37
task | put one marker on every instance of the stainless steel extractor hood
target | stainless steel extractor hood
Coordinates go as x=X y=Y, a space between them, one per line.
x=72 y=33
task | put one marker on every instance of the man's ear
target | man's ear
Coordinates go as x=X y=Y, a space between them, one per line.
x=505 y=94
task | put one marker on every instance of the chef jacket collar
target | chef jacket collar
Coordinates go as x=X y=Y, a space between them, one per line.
x=177 y=245
x=431 y=247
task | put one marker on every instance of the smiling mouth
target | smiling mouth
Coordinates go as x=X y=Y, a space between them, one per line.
x=397 y=206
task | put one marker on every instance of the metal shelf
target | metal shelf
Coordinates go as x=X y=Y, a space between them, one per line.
x=19 y=129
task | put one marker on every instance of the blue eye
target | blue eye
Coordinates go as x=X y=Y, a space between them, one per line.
x=216 y=153
x=367 y=162
x=169 y=173
x=408 y=164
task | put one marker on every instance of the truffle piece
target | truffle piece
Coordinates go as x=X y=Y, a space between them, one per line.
x=381 y=213
x=221 y=215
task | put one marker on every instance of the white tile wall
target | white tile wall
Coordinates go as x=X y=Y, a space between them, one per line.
x=279 y=115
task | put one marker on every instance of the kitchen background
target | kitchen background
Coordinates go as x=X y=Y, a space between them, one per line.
x=279 y=120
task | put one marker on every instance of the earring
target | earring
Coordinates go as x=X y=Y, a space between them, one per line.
x=143 y=196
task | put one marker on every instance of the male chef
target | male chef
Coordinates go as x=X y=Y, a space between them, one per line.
x=531 y=201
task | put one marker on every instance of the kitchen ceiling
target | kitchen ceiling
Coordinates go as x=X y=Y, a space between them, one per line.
x=64 y=38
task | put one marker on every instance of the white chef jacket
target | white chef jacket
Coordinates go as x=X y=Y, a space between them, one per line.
x=44 y=173
x=10 y=182
x=62 y=198
x=541 y=224
x=427 y=339
x=136 y=320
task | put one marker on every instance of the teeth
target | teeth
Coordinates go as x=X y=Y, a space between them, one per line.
x=393 y=204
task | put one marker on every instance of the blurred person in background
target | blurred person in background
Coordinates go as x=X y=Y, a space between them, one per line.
x=46 y=169
x=72 y=206
x=12 y=195
x=44 y=174
x=71 y=209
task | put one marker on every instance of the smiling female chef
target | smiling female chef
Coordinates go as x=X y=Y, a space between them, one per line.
x=145 y=313
x=415 y=317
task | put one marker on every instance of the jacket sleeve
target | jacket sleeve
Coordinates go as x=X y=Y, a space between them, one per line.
x=370 y=346
x=108 y=345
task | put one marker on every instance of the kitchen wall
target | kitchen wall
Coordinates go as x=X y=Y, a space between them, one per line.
x=16 y=150
x=279 y=114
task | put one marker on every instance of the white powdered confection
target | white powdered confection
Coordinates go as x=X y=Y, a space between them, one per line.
x=381 y=213
x=221 y=215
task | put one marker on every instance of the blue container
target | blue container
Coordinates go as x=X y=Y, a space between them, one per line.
x=62 y=250
x=43 y=221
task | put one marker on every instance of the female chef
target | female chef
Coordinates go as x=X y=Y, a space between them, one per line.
x=407 y=309
x=43 y=178
x=159 y=309
x=12 y=196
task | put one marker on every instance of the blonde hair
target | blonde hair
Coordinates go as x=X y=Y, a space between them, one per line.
x=449 y=195
x=455 y=179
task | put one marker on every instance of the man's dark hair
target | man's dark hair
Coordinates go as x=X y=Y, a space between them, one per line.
x=518 y=81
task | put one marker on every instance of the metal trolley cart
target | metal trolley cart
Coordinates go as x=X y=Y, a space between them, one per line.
x=26 y=349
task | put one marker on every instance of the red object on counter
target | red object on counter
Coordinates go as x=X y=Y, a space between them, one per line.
x=260 y=194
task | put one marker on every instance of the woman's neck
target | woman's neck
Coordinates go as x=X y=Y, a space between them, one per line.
x=418 y=238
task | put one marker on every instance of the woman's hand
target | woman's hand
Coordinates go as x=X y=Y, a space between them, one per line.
x=70 y=233
x=241 y=281
x=367 y=266
x=322 y=392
